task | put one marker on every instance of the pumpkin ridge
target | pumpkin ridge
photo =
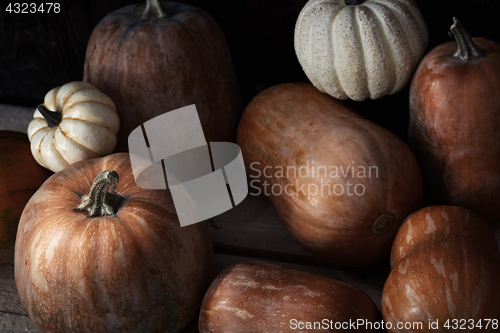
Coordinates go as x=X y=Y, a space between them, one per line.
x=109 y=106
x=402 y=14
x=63 y=103
x=355 y=17
x=387 y=45
x=340 y=87
x=56 y=90
x=89 y=122
x=69 y=138
x=54 y=142
x=39 y=129
x=335 y=78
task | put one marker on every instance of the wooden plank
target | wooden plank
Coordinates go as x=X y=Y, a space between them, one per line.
x=254 y=229
x=9 y=300
x=15 y=118
x=11 y=323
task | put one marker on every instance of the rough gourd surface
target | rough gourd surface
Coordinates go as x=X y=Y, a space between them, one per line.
x=361 y=51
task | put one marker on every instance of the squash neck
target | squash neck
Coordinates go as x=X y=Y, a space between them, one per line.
x=100 y=202
x=154 y=11
x=467 y=49
x=53 y=118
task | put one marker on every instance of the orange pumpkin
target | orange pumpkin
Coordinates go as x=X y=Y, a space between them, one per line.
x=154 y=58
x=20 y=177
x=445 y=267
x=341 y=184
x=92 y=260
x=455 y=123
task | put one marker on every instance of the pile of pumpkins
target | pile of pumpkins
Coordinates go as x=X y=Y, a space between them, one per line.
x=96 y=253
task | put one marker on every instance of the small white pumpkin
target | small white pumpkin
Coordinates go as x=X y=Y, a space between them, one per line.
x=76 y=122
x=360 y=49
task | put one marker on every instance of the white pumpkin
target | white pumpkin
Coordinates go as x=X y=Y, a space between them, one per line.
x=360 y=49
x=79 y=123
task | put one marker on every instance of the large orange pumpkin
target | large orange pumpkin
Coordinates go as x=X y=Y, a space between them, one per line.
x=89 y=260
x=455 y=123
x=445 y=269
x=154 y=58
x=341 y=184
x=20 y=177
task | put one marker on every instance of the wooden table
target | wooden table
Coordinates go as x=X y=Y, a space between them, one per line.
x=250 y=231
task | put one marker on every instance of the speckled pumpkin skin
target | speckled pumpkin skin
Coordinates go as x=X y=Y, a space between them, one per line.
x=361 y=51
x=260 y=297
x=136 y=271
x=149 y=67
x=445 y=265
x=295 y=125
x=20 y=177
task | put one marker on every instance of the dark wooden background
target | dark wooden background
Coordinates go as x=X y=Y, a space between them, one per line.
x=40 y=52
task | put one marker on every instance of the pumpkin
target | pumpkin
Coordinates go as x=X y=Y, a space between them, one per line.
x=93 y=259
x=360 y=49
x=158 y=57
x=455 y=121
x=445 y=269
x=341 y=184
x=76 y=122
x=260 y=297
x=20 y=178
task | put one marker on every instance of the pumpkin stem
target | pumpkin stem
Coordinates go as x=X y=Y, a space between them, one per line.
x=100 y=202
x=382 y=223
x=467 y=49
x=153 y=11
x=53 y=118
x=353 y=2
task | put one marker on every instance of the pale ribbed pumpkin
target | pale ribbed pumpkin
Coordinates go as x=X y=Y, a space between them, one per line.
x=445 y=267
x=360 y=49
x=76 y=122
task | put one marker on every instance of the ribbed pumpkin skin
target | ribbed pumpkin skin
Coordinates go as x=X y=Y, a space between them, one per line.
x=149 y=67
x=455 y=125
x=445 y=265
x=360 y=51
x=20 y=177
x=260 y=297
x=136 y=271
x=87 y=129
x=296 y=126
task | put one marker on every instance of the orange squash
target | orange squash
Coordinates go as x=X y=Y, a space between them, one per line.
x=445 y=268
x=92 y=260
x=341 y=184
x=154 y=58
x=455 y=123
x=260 y=297
x=20 y=177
